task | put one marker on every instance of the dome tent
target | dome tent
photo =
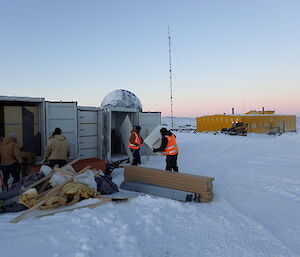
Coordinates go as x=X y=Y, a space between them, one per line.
x=121 y=98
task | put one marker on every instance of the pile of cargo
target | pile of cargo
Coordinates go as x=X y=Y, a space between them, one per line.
x=59 y=188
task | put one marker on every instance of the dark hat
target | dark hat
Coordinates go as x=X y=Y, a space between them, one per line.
x=163 y=131
x=57 y=131
x=138 y=128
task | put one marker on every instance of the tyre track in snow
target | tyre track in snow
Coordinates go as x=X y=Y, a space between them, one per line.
x=232 y=161
x=281 y=186
x=259 y=238
x=275 y=225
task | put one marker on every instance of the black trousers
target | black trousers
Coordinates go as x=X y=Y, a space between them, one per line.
x=171 y=162
x=13 y=170
x=136 y=156
x=60 y=163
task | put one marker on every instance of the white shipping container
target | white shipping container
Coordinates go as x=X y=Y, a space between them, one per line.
x=93 y=132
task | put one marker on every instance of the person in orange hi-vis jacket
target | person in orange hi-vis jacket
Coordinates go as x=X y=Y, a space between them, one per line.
x=169 y=148
x=135 y=143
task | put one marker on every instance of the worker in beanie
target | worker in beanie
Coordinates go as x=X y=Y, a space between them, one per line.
x=135 y=143
x=10 y=159
x=57 y=150
x=169 y=148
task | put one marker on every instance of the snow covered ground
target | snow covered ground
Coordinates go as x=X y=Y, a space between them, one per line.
x=255 y=212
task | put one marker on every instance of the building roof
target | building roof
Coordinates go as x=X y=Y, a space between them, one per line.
x=247 y=115
x=21 y=99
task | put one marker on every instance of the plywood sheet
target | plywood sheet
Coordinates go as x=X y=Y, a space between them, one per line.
x=125 y=130
x=153 y=140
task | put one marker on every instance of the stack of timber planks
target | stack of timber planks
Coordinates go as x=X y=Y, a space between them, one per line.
x=200 y=185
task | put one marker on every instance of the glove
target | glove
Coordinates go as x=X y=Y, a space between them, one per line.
x=154 y=150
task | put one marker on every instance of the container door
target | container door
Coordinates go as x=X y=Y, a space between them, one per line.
x=106 y=134
x=63 y=115
x=125 y=131
x=87 y=132
x=100 y=134
x=148 y=122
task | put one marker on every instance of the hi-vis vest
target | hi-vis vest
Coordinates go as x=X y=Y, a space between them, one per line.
x=171 y=148
x=137 y=141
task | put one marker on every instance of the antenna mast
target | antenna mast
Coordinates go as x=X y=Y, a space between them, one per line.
x=170 y=69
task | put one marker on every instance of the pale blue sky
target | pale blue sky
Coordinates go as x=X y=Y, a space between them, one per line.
x=242 y=54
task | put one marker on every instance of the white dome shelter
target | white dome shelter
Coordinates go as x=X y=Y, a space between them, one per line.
x=121 y=98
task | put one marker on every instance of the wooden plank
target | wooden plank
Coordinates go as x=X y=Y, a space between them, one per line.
x=115 y=198
x=48 y=176
x=165 y=173
x=43 y=187
x=185 y=182
x=52 y=192
x=184 y=187
x=64 y=172
x=93 y=205
x=41 y=180
x=149 y=179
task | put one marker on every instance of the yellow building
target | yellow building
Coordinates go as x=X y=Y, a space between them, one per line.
x=257 y=122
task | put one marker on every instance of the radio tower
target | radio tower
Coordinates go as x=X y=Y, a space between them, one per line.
x=170 y=69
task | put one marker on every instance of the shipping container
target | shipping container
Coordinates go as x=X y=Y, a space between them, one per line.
x=93 y=132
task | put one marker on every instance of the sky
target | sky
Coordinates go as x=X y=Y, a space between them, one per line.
x=240 y=54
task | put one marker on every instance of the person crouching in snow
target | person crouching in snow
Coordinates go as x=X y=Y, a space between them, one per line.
x=57 y=150
x=135 y=143
x=169 y=148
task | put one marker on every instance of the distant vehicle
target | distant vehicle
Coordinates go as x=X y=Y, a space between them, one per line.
x=238 y=128
x=275 y=131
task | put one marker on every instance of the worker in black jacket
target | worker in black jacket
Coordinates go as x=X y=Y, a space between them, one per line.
x=169 y=148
